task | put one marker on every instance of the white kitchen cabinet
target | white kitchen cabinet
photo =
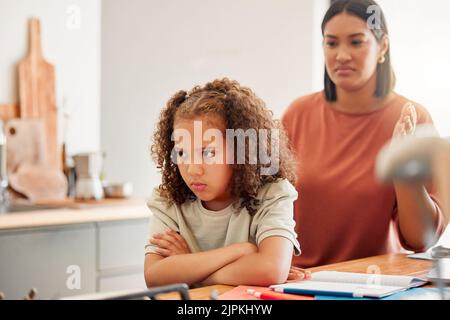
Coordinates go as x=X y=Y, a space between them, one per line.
x=41 y=258
x=121 y=254
x=116 y=244
x=108 y=255
x=122 y=282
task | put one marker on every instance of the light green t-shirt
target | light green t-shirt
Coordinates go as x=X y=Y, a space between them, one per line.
x=206 y=230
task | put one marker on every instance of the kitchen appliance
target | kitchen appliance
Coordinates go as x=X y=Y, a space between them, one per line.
x=88 y=167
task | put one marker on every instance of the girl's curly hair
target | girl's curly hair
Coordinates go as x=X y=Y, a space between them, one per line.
x=240 y=108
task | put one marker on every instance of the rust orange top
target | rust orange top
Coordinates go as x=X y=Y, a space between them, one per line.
x=342 y=211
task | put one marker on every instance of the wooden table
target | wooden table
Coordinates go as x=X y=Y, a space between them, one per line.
x=394 y=264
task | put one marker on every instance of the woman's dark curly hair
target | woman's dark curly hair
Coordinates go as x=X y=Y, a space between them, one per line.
x=240 y=108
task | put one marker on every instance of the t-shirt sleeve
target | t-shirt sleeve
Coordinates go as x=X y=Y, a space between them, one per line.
x=162 y=218
x=275 y=216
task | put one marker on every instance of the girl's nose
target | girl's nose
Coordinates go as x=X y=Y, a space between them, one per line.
x=195 y=169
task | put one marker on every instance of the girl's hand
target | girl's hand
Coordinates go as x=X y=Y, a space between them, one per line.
x=170 y=244
x=246 y=248
x=298 y=274
x=407 y=122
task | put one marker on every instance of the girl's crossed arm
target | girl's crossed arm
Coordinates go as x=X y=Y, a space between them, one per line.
x=175 y=263
x=241 y=263
x=271 y=264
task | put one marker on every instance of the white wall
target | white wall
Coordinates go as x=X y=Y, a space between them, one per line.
x=73 y=48
x=153 y=48
x=420 y=43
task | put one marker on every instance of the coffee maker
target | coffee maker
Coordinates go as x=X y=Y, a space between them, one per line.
x=88 y=167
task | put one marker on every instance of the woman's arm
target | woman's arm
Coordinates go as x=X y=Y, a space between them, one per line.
x=192 y=267
x=270 y=265
x=417 y=213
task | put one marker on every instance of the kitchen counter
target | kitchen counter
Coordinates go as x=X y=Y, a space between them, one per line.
x=50 y=249
x=109 y=210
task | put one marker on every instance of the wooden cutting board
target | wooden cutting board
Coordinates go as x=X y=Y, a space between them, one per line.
x=25 y=143
x=39 y=182
x=9 y=111
x=37 y=92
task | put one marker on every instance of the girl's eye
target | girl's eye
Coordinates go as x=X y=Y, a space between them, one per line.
x=356 y=43
x=209 y=153
x=181 y=154
x=331 y=44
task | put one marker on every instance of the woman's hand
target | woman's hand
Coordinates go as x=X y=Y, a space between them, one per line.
x=407 y=122
x=170 y=244
x=298 y=274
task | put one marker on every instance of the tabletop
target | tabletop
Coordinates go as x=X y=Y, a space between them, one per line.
x=392 y=264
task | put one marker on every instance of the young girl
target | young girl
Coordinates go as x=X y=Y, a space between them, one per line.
x=220 y=216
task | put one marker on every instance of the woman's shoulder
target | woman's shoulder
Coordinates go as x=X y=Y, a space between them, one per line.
x=304 y=103
x=423 y=115
x=281 y=188
x=308 y=100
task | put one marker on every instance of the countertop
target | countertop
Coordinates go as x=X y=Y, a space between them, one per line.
x=86 y=212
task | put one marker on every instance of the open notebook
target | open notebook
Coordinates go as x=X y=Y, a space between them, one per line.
x=346 y=284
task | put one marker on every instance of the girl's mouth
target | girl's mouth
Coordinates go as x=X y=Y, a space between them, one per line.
x=198 y=186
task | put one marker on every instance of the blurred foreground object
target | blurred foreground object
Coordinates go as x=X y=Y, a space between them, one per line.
x=417 y=159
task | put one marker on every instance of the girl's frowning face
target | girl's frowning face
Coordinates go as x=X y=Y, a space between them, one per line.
x=200 y=152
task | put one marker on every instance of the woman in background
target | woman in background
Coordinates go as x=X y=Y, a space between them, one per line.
x=343 y=213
